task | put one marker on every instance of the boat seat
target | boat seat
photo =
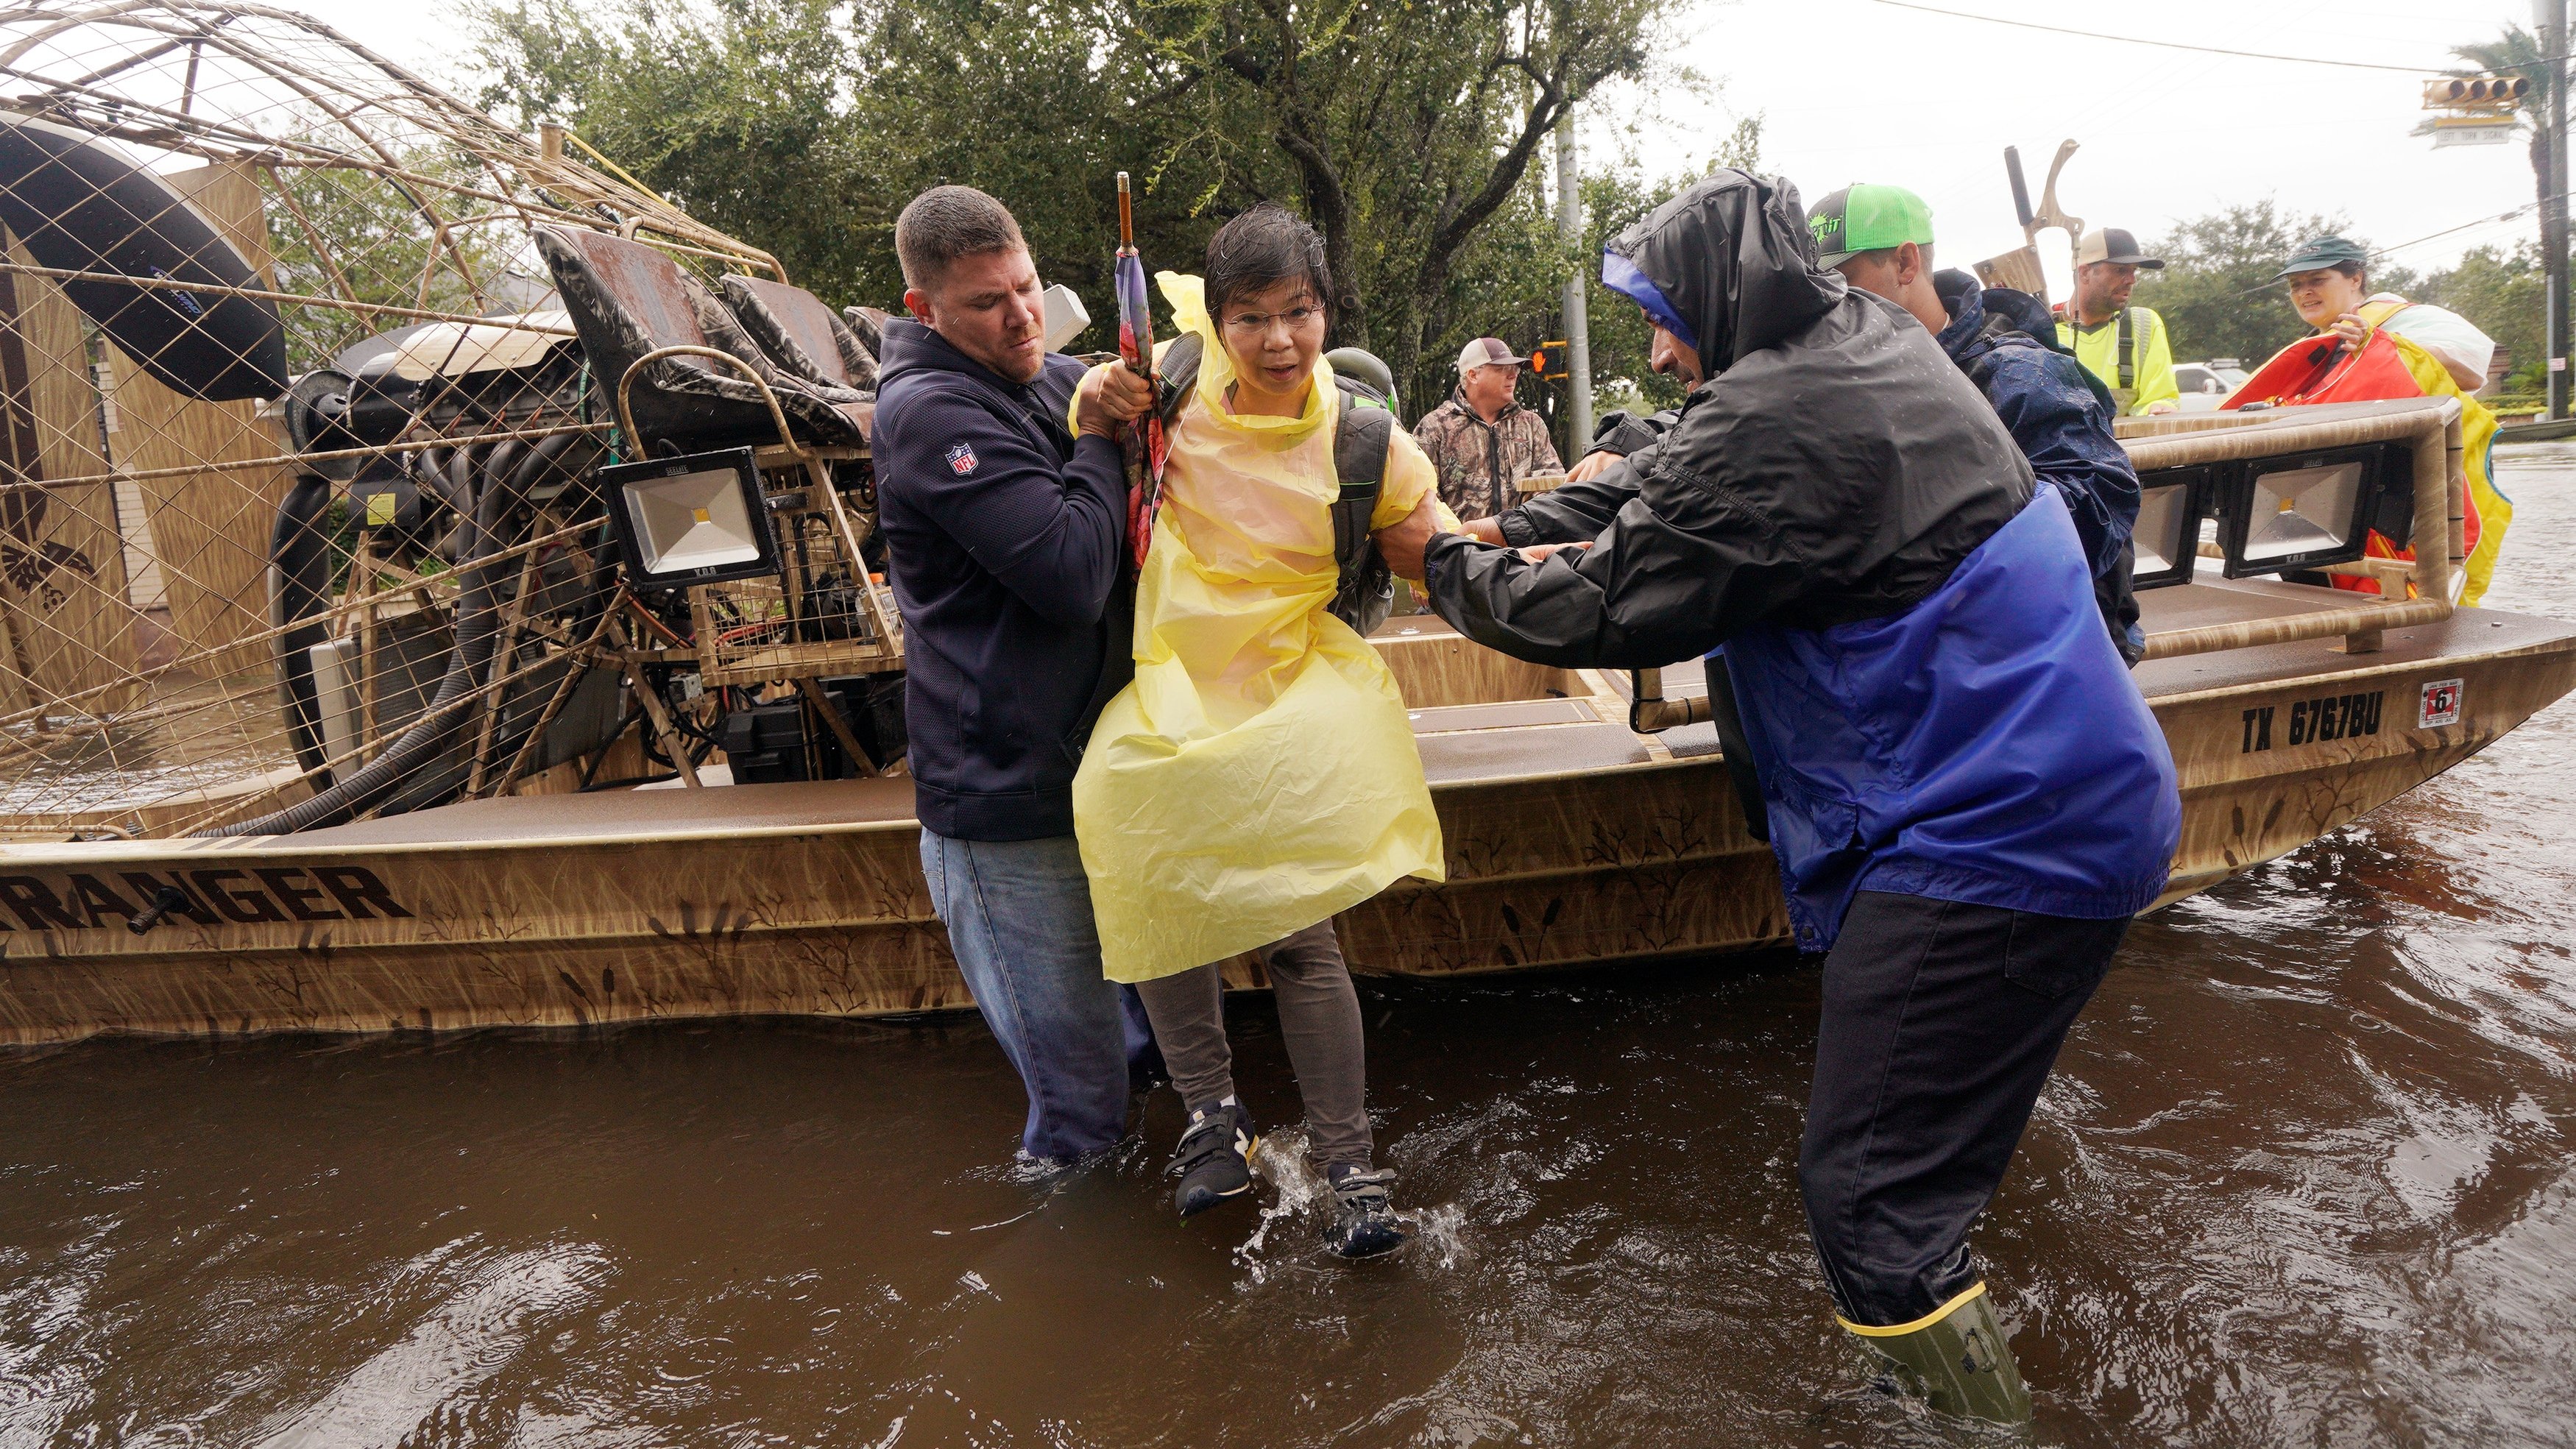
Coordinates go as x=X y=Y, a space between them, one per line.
x=1551 y=750
x=628 y=300
x=868 y=323
x=1500 y=714
x=800 y=334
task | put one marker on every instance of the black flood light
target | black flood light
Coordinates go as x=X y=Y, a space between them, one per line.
x=693 y=520
x=2309 y=510
x=2167 y=536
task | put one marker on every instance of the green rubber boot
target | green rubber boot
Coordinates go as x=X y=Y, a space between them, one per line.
x=1956 y=1359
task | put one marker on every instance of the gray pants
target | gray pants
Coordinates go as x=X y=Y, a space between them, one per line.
x=1319 y=1014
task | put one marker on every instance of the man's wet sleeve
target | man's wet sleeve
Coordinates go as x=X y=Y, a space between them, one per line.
x=1575 y=511
x=1646 y=593
x=2065 y=432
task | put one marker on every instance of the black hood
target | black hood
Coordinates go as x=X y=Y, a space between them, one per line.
x=1733 y=261
x=1835 y=466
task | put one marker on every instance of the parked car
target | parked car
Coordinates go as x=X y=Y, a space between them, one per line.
x=2205 y=385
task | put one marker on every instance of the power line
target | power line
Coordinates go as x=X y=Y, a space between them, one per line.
x=2463 y=226
x=2415 y=70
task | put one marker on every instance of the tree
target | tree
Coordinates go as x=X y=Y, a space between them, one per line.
x=1405 y=132
x=803 y=125
x=739 y=111
x=2218 y=291
x=2518 y=53
x=347 y=233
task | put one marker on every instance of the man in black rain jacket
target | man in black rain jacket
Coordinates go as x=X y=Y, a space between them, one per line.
x=1967 y=796
x=2058 y=413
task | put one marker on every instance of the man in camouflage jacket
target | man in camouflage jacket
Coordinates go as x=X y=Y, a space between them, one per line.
x=1482 y=442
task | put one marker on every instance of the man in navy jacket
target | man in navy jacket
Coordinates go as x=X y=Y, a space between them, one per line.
x=1880 y=239
x=1006 y=539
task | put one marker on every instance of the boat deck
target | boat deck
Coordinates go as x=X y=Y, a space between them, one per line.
x=2469 y=633
x=1570 y=840
x=1462 y=744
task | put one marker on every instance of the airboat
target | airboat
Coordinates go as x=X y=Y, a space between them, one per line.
x=438 y=589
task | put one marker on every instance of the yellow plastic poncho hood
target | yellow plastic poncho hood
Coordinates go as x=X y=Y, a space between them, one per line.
x=1260 y=774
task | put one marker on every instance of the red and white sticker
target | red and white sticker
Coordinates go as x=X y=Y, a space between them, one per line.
x=2440 y=704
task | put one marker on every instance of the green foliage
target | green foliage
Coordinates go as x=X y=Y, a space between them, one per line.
x=351 y=234
x=740 y=111
x=2512 y=290
x=1614 y=200
x=1406 y=132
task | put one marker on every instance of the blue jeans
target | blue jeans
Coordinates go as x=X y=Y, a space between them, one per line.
x=1018 y=914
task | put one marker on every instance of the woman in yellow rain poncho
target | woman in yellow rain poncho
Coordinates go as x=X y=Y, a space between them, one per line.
x=1260 y=774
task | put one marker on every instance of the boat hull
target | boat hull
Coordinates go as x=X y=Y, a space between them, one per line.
x=1570 y=842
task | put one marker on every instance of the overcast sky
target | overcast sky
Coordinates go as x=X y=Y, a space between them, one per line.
x=1853 y=90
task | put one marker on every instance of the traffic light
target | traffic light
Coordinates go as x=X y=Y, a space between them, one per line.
x=1548 y=361
x=2472 y=110
x=2475 y=93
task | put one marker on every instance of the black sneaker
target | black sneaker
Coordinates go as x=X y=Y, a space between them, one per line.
x=1364 y=1222
x=1214 y=1158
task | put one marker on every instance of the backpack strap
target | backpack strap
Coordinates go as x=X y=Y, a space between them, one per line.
x=1179 y=371
x=1363 y=432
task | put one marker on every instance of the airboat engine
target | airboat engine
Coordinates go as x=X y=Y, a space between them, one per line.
x=321 y=374
x=389 y=557
x=731 y=567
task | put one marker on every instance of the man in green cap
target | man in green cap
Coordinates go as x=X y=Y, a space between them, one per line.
x=2127 y=347
x=1880 y=239
x=2329 y=281
x=1867 y=226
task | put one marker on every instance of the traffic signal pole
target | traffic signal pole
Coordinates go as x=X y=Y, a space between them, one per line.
x=2553 y=207
x=1578 y=350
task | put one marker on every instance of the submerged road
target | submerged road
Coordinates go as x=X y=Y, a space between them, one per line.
x=2304 y=1177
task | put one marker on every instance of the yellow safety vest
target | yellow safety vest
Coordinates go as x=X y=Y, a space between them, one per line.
x=2126 y=370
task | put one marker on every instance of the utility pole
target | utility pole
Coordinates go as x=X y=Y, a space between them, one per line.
x=2552 y=16
x=1578 y=340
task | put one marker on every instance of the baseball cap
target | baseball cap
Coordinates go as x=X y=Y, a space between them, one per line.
x=1487 y=352
x=1865 y=218
x=2318 y=253
x=2110 y=244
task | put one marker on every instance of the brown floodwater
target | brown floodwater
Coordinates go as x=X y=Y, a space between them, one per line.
x=2303 y=1178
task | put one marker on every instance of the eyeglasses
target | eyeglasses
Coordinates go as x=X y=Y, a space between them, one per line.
x=1256 y=324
